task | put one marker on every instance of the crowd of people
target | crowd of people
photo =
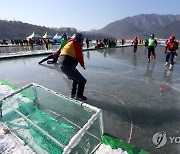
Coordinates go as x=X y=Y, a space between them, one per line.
x=171 y=47
x=102 y=43
x=106 y=43
x=70 y=54
x=23 y=41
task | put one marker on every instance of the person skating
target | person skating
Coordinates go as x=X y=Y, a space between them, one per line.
x=170 y=50
x=87 y=43
x=31 y=42
x=55 y=55
x=63 y=41
x=69 y=58
x=146 y=43
x=46 y=43
x=152 y=43
x=135 y=42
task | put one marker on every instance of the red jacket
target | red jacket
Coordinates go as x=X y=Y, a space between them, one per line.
x=30 y=41
x=135 y=42
x=171 y=46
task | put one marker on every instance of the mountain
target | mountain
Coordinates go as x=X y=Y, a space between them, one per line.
x=20 y=30
x=171 y=29
x=141 y=26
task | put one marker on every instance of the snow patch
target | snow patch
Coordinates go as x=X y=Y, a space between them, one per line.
x=106 y=149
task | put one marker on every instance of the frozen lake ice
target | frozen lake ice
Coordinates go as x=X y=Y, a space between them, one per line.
x=138 y=99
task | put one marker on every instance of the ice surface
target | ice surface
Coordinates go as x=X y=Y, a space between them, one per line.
x=123 y=85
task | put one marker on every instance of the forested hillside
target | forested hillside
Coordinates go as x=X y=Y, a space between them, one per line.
x=20 y=30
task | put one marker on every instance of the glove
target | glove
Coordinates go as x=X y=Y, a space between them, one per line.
x=165 y=51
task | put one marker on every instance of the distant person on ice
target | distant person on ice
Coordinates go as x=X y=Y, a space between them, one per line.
x=55 y=55
x=170 y=50
x=31 y=43
x=70 y=55
x=100 y=44
x=87 y=43
x=152 y=43
x=146 y=43
x=46 y=43
x=135 y=42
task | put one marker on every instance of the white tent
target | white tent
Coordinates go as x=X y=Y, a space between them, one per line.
x=34 y=36
x=47 y=36
x=57 y=36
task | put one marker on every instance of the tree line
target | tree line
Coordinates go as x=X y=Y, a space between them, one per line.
x=19 y=30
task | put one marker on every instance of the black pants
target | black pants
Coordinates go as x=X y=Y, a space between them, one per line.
x=78 y=80
x=151 y=49
x=135 y=48
x=53 y=57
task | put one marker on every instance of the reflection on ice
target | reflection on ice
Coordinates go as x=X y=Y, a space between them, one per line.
x=150 y=93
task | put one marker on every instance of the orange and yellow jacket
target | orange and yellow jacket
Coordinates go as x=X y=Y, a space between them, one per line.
x=71 y=54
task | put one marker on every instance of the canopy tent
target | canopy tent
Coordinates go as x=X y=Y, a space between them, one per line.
x=47 y=36
x=34 y=36
x=57 y=38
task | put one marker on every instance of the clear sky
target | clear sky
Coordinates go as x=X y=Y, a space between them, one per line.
x=81 y=14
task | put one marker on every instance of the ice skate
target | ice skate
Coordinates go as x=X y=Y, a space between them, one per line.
x=166 y=63
x=170 y=67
